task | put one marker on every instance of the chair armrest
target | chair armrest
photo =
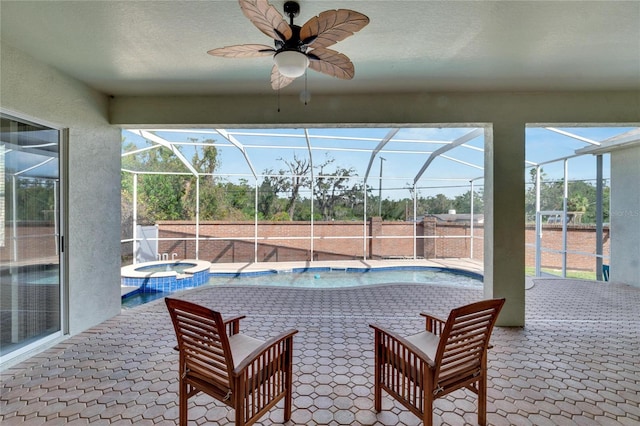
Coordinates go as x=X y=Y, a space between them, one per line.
x=280 y=344
x=433 y=324
x=233 y=324
x=382 y=336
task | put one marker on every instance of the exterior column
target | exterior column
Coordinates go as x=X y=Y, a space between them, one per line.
x=625 y=216
x=504 y=241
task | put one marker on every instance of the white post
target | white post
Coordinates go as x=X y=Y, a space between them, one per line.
x=135 y=218
x=380 y=189
x=471 y=229
x=197 y=217
x=538 y=225
x=414 y=193
x=565 y=200
x=364 y=222
x=311 y=244
x=255 y=224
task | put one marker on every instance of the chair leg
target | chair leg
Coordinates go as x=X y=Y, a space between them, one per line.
x=427 y=396
x=239 y=407
x=183 y=401
x=482 y=398
x=288 y=396
x=288 y=377
x=377 y=391
x=427 y=415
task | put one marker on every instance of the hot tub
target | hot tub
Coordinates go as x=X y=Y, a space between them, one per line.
x=165 y=276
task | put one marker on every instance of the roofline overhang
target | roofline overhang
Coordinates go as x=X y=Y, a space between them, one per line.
x=625 y=140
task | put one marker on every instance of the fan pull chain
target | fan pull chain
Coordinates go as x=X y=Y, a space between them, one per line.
x=278 y=96
x=306 y=92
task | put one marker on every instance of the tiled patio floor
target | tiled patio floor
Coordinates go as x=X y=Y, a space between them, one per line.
x=575 y=363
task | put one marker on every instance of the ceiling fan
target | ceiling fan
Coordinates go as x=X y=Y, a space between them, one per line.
x=297 y=48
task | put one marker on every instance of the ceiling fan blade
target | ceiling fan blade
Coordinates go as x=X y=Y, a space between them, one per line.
x=278 y=81
x=332 y=26
x=243 y=51
x=266 y=18
x=332 y=63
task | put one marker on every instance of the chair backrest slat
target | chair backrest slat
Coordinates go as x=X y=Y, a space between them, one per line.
x=464 y=342
x=202 y=341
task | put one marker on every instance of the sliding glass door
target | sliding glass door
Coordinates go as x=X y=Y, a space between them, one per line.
x=30 y=284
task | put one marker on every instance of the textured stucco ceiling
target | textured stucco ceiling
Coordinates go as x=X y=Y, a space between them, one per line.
x=159 y=47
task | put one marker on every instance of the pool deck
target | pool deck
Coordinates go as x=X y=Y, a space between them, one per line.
x=574 y=363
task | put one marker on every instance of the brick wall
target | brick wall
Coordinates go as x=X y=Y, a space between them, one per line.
x=35 y=242
x=580 y=238
x=288 y=241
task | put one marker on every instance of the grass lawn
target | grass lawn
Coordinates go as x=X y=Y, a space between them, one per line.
x=582 y=275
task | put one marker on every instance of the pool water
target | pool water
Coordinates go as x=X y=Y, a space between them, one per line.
x=136 y=299
x=176 y=267
x=42 y=275
x=317 y=278
x=351 y=278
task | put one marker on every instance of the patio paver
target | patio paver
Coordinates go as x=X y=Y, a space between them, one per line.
x=575 y=362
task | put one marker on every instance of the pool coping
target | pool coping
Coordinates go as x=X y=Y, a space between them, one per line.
x=130 y=271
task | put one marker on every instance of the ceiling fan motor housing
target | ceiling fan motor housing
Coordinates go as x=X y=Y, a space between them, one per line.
x=294 y=42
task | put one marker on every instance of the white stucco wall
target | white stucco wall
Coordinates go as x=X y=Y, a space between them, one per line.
x=31 y=89
x=625 y=216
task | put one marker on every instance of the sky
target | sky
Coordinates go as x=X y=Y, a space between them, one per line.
x=404 y=155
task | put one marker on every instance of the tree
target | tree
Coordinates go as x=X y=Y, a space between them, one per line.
x=266 y=198
x=392 y=210
x=297 y=178
x=581 y=197
x=551 y=194
x=331 y=188
x=462 y=203
x=351 y=203
x=206 y=163
x=35 y=199
x=159 y=196
x=273 y=184
x=436 y=205
x=162 y=196
x=166 y=196
x=239 y=198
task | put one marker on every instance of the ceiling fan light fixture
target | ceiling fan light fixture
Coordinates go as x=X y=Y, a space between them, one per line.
x=291 y=63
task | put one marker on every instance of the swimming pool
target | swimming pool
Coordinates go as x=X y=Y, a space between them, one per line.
x=350 y=277
x=330 y=278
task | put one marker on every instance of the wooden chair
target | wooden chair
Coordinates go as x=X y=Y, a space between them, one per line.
x=447 y=356
x=247 y=374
